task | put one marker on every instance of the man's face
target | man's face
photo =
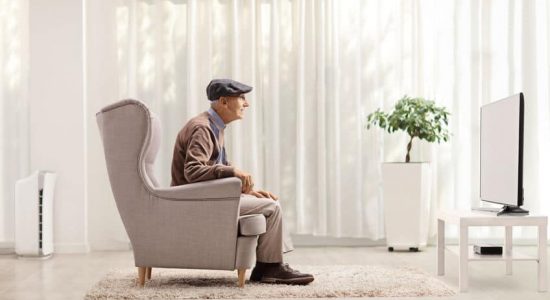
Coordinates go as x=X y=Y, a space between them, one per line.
x=235 y=106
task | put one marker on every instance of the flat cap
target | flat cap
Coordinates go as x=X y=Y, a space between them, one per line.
x=225 y=87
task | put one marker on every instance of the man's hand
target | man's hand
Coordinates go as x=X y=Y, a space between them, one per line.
x=262 y=194
x=246 y=179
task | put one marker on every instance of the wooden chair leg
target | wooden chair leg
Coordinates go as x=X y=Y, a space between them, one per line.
x=148 y=273
x=241 y=273
x=141 y=274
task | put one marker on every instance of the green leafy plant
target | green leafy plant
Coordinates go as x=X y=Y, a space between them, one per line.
x=418 y=117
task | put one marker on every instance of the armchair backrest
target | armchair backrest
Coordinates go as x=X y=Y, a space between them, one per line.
x=131 y=139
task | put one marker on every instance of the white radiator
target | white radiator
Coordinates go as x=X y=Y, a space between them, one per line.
x=34 y=214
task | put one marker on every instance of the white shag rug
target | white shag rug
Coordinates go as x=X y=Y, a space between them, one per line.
x=330 y=281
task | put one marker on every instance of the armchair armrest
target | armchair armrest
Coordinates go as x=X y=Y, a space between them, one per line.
x=211 y=189
x=251 y=225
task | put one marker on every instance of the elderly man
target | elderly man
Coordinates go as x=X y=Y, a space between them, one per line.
x=199 y=154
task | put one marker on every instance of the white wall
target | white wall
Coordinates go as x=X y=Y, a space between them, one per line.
x=57 y=113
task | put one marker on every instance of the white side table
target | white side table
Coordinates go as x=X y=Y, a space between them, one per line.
x=465 y=219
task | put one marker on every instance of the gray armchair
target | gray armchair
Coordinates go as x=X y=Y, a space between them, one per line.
x=193 y=226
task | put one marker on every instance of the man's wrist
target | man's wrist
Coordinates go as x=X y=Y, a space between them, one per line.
x=226 y=171
x=231 y=171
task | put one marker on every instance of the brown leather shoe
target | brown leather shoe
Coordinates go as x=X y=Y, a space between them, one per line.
x=279 y=273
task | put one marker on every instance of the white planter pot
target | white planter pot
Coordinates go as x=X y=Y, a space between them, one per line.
x=406 y=190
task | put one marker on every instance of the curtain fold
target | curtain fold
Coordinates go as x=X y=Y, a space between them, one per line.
x=318 y=68
x=14 y=136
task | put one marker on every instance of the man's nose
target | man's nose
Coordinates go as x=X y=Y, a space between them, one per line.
x=246 y=103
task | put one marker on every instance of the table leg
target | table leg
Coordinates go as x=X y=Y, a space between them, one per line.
x=463 y=259
x=440 y=247
x=542 y=259
x=508 y=249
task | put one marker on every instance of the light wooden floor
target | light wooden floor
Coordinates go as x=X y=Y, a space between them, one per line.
x=69 y=276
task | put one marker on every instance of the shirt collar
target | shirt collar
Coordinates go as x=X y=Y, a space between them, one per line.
x=216 y=118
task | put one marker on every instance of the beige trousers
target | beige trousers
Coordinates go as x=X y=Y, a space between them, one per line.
x=275 y=241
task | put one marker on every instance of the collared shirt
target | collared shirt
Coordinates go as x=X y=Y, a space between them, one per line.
x=216 y=118
x=217 y=125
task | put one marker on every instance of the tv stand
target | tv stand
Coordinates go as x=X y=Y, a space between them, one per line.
x=512 y=210
x=467 y=219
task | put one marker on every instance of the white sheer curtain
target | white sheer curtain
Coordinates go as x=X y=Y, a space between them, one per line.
x=13 y=109
x=318 y=68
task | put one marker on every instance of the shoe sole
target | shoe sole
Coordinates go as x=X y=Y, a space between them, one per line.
x=293 y=281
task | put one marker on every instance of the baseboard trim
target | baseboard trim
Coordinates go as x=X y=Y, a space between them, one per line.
x=319 y=241
x=7 y=248
x=303 y=240
x=71 y=248
x=110 y=245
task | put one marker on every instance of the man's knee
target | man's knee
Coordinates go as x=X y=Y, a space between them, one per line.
x=275 y=208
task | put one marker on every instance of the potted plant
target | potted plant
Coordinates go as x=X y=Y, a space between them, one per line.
x=406 y=186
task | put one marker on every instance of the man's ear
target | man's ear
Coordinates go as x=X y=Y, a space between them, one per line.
x=223 y=100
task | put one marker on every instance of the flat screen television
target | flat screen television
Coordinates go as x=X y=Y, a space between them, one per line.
x=501 y=154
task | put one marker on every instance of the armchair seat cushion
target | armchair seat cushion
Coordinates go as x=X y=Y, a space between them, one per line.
x=251 y=225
